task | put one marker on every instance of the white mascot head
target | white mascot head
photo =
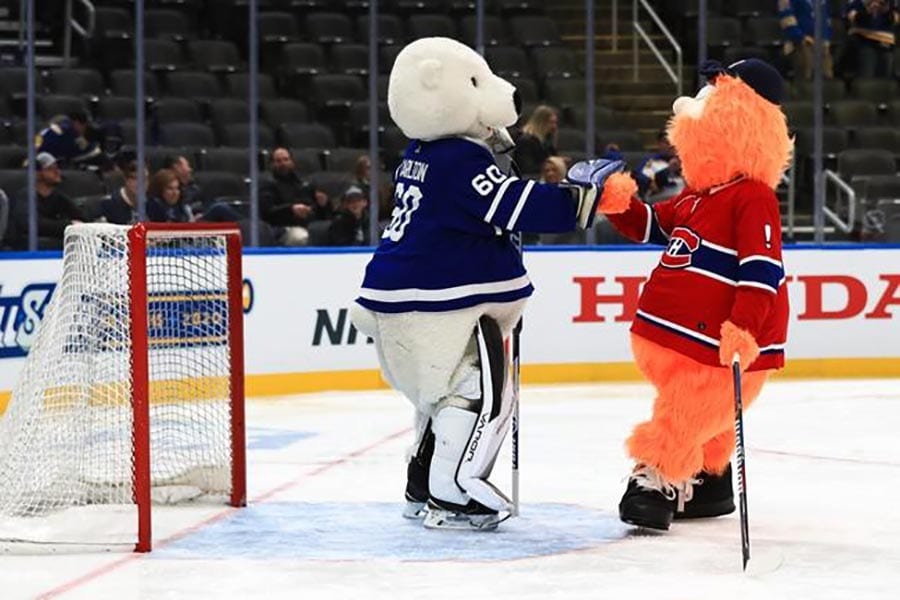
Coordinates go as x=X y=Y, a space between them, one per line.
x=440 y=87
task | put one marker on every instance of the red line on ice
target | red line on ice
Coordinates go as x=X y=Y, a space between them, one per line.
x=112 y=566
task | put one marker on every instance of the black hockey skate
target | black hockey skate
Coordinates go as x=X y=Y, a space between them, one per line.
x=472 y=516
x=417 y=478
x=649 y=500
x=712 y=496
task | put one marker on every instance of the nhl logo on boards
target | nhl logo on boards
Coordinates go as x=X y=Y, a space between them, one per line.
x=682 y=245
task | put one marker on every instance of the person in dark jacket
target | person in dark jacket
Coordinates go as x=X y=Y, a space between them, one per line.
x=537 y=141
x=55 y=210
x=289 y=202
x=120 y=207
x=349 y=227
x=164 y=203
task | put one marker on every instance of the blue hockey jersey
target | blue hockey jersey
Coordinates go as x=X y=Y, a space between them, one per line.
x=448 y=244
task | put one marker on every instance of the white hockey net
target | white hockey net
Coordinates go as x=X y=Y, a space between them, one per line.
x=68 y=446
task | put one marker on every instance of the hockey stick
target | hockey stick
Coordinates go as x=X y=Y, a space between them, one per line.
x=516 y=239
x=739 y=458
x=516 y=336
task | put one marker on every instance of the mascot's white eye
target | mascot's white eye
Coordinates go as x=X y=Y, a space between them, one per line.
x=474 y=82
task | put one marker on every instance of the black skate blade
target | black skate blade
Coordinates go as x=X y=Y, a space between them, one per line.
x=645 y=523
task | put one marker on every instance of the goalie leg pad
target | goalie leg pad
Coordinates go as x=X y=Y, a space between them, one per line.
x=468 y=438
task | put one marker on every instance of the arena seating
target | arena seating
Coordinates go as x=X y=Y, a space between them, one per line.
x=313 y=86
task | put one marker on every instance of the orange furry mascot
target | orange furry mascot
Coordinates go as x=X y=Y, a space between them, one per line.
x=717 y=292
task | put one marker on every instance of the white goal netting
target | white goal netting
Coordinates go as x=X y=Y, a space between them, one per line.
x=67 y=445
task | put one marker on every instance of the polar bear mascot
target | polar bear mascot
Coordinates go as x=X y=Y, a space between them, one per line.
x=447 y=285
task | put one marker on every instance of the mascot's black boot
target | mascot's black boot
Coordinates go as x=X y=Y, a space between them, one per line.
x=649 y=500
x=417 y=478
x=713 y=496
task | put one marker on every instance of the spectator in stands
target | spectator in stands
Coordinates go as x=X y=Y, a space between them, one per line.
x=871 y=30
x=290 y=203
x=120 y=207
x=362 y=173
x=553 y=170
x=190 y=191
x=55 y=210
x=349 y=227
x=659 y=175
x=538 y=139
x=72 y=140
x=164 y=203
x=799 y=25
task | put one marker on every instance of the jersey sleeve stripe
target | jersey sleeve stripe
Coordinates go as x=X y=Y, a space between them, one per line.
x=649 y=226
x=523 y=197
x=761 y=257
x=497 y=198
x=760 y=273
x=755 y=284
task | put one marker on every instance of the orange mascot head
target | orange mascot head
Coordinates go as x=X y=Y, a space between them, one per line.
x=733 y=127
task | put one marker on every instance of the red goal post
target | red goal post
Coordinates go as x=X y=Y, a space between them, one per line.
x=138 y=237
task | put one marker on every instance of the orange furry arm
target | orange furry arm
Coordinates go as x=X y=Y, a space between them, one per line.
x=735 y=340
x=618 y=190
x=632 y=217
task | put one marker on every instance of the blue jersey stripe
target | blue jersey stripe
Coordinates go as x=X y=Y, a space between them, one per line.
x=719 y=263
x=763 y=272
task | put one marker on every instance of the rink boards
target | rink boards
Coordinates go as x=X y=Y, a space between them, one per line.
x=845 y=314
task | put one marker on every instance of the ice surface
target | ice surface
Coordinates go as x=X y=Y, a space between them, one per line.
x=326 y=480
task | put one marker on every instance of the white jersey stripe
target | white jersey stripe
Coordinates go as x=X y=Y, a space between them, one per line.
x=719 y=248
x=497 y=198
x=439 y=295
x=711 y=275
x=760 y=257
x=757 y=284
x=649 y=224
x=704 y=338
x=519 y=206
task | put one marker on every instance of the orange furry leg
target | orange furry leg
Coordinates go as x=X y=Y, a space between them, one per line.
x=717 y=451
x=694 y=404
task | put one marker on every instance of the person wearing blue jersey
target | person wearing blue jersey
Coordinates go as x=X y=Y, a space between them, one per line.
x=446 y=285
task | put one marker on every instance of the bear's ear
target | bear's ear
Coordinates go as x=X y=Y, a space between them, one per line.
x=430 y=71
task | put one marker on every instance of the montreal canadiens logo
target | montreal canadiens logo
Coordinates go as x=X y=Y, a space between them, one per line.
x=682 y=245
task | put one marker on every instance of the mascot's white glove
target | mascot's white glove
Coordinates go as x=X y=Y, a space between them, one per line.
x=585 y=179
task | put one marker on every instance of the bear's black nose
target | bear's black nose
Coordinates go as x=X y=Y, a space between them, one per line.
x=517 y=101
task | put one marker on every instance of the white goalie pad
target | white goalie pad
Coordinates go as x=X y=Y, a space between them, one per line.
x=467 y=442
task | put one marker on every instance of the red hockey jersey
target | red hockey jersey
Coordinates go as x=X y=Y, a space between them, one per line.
x=722 y=261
